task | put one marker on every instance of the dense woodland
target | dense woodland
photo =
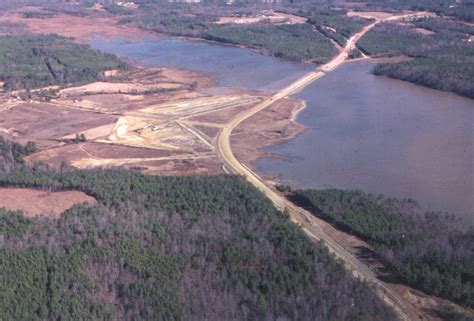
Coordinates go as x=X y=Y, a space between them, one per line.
x=38 y=14
x=443 y=60
x=334 y=24
x=12 y=153
x=430 y=251
x=30 y=61
x=168 y=248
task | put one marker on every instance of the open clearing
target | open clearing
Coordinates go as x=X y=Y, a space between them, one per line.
x=41 y=203
x=370 y=14
x=80 y=28
x=158 y=120
x=266 y=17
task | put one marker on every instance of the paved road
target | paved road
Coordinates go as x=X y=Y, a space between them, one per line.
x=298 y=215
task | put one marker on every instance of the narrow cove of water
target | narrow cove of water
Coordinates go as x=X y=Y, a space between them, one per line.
x=364 y=132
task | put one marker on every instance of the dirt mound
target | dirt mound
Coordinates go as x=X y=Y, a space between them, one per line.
x=41 y=203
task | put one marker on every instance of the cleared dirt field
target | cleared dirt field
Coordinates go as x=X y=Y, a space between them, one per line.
x=43 y=123
x=166 y=134
x=41 y=203
x=170 y=132
x=370 y=14
x=81 y=28
x=115 y=88
x=271 y=17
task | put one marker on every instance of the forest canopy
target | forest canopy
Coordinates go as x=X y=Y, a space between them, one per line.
x=443 y=59
x=168 y=248
x=29 y=61
x=430 y=251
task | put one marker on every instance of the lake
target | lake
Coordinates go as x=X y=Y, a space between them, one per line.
x=364 y=132
x=383 y=136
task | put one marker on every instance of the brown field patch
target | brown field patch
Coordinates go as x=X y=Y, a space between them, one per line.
x=44 y=123
x=241 y=20
x=370 y=14
x=72 y=152
x=41 y=203
x=80 y=28
x=266 y=17
x=210 y=132
x=101 y=87
x=149 y=133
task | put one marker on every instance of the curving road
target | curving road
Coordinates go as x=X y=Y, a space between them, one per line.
x=298 y=215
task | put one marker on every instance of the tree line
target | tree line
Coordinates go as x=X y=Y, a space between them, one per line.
x=12 y=153
x=29 y=61
x=443 y=60
x=430 y=251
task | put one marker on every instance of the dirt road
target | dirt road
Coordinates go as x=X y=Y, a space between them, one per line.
x=304 y=219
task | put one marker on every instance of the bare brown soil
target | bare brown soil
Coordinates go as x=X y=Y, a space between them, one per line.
x=370 y=14
x=80 y=28
x=44 y=123
x=41 y=203
x=268 y=17
x=166 y=133
x=172 y=133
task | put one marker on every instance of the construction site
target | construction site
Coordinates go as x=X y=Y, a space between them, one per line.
x=158 y=120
